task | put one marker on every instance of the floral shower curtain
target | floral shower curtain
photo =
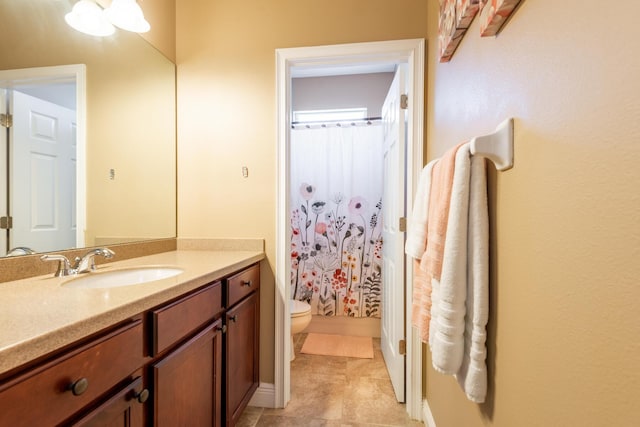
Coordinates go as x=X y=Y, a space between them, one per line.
x=336 y=224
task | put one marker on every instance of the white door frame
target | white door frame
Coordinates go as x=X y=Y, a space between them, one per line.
x=77 y=72
x=4 y=140
x=411 y=52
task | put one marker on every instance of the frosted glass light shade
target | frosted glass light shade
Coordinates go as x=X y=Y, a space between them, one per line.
x=88 y=18
x=127 y=15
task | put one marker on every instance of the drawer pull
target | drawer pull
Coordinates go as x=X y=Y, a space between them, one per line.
x=142 y=396
x=234 y=318
x=79 y=387
x=246 y=283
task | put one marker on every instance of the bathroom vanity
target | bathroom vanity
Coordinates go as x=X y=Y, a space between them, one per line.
x=176 y=351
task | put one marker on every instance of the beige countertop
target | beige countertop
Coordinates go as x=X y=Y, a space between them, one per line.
x=39 y=315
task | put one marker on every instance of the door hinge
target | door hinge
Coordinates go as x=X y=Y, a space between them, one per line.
x=404 y=101
x=402 y=224
x=6 y=120
x=402 y=347
x=6 y=222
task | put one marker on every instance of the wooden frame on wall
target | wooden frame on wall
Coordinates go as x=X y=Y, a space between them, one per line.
x=456 y=16
x=494 y=14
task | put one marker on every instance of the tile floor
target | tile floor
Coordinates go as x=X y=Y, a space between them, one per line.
x=335 y=392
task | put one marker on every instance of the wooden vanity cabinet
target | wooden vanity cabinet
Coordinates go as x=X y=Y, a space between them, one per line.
x=242 y=342
x=188 y=379
x=173 y=365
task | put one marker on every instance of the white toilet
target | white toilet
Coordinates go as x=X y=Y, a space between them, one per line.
x=300 y=319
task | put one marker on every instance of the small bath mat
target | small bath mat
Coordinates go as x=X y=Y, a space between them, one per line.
x=338 y=345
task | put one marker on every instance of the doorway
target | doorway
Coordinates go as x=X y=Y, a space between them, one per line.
x=331 y=59
x=42 y=163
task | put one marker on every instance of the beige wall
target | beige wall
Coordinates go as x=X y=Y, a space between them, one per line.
x=350 y=91
x=565 y=301
x=161 y=16
x=226 y=109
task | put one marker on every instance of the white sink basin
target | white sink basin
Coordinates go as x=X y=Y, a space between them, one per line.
x=122 y=277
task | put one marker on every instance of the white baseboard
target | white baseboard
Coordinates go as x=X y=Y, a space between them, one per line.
x=427 y=416
x=265 y=396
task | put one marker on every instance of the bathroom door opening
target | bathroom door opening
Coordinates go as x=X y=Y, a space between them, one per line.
x=42 y=161
x=336 y=164
x=332 y=60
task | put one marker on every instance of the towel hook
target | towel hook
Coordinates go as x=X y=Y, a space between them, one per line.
x=497 y=146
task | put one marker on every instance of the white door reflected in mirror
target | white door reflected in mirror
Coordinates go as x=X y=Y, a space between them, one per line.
x=42 y=182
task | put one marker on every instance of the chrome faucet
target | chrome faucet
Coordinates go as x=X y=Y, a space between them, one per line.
x=21 y=250
x=88 y=263
x=82 y=264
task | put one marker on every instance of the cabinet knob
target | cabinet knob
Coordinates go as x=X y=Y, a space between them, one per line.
x=78 y=387
x=222 y=329
x=246 y=283
x=142 y=396
x=234 y=318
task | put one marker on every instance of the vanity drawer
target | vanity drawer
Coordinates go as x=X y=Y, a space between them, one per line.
x=51 y=393
x=242 y=284
x=177 y=320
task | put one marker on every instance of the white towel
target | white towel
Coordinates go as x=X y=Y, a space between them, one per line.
x=472 y=375
x=458 y=346
x=446 y=335
x=415 y=246
x=417 y=226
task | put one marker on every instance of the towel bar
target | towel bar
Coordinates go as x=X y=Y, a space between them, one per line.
x=497 y=146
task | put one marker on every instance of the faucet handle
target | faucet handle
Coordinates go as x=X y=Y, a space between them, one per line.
x=87 y=262
x=84 y=264
x=107 y=253
x=64 y=266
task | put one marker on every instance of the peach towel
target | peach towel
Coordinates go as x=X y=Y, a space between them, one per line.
x=439 y=202
x=431 y=211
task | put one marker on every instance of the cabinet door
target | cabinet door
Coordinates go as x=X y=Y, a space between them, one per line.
x=241 y=356
x=187 y=383
x=124 y=409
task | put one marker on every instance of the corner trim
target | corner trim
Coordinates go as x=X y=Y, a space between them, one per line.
x=427 y=416
x=265 y=396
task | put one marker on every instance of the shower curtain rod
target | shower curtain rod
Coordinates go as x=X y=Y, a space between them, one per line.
x=338 y=123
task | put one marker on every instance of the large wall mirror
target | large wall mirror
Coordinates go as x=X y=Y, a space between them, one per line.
x=113 y=99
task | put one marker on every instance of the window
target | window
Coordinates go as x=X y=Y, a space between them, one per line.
x=342 y=114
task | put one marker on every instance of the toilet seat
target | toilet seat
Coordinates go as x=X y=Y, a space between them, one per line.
x=299 y=308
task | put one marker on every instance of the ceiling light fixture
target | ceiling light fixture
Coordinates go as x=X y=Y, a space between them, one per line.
x=87 y=17
x=127 y=15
